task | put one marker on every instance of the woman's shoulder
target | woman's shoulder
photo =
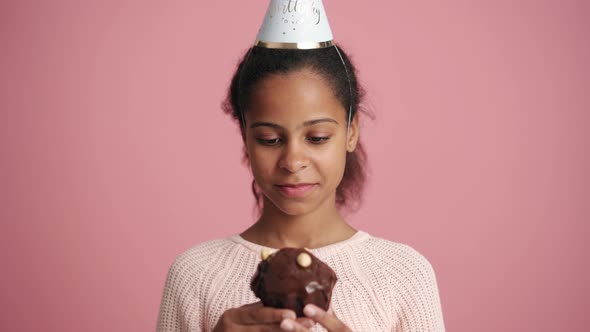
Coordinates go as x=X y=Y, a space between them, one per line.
x=391 y=255
x=199 y=258
x=406 y=280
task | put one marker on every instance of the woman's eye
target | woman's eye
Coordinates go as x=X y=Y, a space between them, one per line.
x=318 y=139
x=269 y=142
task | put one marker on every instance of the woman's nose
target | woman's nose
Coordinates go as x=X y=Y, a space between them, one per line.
x=294 y=158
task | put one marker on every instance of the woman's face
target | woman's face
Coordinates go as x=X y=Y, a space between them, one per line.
x=296 y=141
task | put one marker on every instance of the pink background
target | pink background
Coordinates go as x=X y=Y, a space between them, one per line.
x=116 y=157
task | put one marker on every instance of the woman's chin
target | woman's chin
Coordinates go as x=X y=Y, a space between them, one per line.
x=295 y=209
x=292 y=208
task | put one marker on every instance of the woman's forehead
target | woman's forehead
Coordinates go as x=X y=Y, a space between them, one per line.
x=295 y=97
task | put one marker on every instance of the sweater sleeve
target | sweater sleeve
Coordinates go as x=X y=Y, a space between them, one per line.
x=180 y=307
x=421 y=306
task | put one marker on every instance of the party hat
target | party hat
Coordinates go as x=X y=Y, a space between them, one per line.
x=298 y=24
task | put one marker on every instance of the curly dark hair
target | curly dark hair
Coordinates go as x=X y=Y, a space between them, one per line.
x=258 y=63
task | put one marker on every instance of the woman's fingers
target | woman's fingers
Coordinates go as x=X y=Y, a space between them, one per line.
x=256 y=313
x=294 y=325
x=307 y=322
x=262 y=318
x=327 y=320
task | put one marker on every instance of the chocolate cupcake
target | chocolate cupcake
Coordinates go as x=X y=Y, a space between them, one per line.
x=290 y=278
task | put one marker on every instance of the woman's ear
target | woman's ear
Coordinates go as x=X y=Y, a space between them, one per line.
x=245 y=156
x=353 y=134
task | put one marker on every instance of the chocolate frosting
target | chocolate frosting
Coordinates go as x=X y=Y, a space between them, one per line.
x=281 y=282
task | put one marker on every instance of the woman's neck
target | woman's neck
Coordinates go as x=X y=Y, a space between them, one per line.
x=319 y=228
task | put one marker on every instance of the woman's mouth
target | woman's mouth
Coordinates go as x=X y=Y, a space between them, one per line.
x=296 y=190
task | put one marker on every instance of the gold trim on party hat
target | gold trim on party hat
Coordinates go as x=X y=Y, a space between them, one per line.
x=295 y=24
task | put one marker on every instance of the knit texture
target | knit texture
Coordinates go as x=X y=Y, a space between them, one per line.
x=382 y=285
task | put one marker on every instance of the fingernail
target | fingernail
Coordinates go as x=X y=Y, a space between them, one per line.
x=309 y=310
x=287 y=325
x=288 y=315
x=308 y=323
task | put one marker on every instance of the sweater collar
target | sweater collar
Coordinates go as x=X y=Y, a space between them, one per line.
x=324 y=251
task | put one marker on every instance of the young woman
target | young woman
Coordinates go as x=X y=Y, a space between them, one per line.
x=298 y=111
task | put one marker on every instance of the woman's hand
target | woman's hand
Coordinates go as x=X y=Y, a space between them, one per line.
x=327 y=319
x=255 y=317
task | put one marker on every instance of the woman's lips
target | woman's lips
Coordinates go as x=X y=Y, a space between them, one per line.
x=296 y=190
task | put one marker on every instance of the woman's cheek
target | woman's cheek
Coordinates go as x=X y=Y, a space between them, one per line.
x=263 y=165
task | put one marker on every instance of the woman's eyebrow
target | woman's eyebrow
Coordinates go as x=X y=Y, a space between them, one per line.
x=266 y=124
x=305 y=124
x=312 y=122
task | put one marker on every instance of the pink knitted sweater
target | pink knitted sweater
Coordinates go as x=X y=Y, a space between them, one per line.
x=382 y=285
